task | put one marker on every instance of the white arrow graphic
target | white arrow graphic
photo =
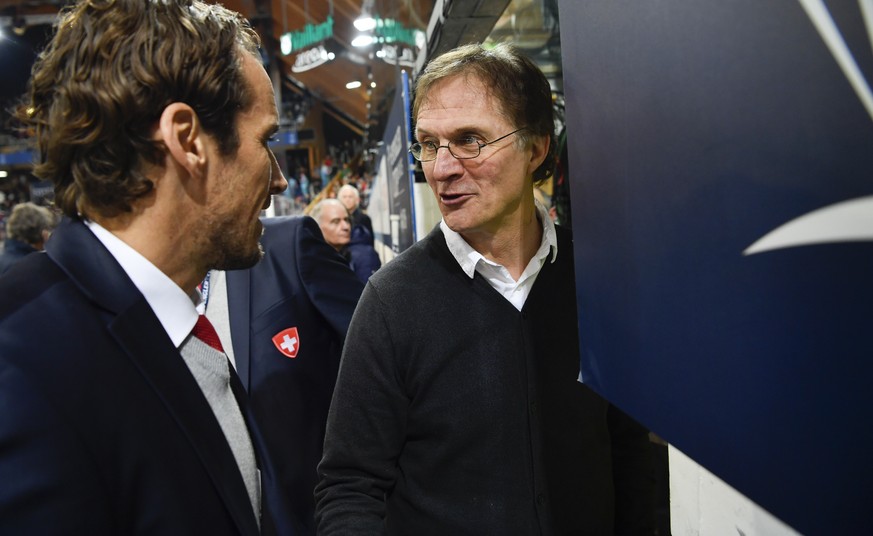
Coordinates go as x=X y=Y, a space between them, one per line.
x=847 y=221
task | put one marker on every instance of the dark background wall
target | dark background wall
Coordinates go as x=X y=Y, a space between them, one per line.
x=694 y=129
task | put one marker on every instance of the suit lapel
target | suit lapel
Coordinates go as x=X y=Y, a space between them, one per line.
x=161 y=364
x=139 y=333
x=239 y=315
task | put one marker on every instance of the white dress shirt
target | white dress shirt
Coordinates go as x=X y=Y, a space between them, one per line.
x=497 y=275
x=175 y=309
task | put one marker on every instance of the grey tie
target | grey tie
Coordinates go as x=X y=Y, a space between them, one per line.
x=207 y=362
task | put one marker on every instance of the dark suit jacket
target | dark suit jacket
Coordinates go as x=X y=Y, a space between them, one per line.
x=13 y=251
x=301 y=283
x=362 y=228
x=103 y=429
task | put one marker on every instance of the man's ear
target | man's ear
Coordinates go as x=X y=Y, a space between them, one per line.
x=539 y=150
x=179 y=129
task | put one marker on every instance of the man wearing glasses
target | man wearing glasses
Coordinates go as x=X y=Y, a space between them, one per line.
x=458 y=408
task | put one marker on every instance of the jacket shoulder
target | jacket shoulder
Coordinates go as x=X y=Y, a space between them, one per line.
x=283 y=227
x=26 y=281
x=425 y=260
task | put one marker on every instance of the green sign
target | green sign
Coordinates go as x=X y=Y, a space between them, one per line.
x=308 y=36
x=392 y=31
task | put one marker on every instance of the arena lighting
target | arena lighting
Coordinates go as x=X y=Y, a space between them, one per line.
x=353 y=85
x=366 y=22
x=285 y=44
x=363 y=40
x=19 y=26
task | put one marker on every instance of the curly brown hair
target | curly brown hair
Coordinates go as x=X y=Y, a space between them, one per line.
x=512 y=78
x=104 y=79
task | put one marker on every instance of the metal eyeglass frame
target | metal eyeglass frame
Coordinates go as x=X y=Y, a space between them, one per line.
x=416 y=148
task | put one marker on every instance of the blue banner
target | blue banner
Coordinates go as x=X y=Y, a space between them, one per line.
x=721 y=166
x=399 y=170
x=17 y=158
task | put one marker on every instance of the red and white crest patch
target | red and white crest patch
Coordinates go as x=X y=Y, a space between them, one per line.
x=287 y=341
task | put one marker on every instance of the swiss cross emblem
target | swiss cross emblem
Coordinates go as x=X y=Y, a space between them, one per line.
x=288 y=342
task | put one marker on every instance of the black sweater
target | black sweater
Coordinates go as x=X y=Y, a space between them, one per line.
x=454 y=413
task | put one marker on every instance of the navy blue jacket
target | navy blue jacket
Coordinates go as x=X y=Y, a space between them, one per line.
x=13 y=251
x=362 y=228
x=104 y=429
x=301 y=283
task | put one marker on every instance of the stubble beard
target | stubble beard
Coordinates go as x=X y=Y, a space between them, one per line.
x=232 y=249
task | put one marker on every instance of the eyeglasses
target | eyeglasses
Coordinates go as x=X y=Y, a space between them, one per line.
x=461 y=148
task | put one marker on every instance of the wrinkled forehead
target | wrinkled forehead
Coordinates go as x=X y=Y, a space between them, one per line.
x=461 y=97
x=334 y=211
x=456 y=89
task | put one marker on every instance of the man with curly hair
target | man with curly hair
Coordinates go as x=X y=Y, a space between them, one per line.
x=121 y=413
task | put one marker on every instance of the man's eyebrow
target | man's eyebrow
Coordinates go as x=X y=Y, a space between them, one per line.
x=271 y=130
x=463 y=129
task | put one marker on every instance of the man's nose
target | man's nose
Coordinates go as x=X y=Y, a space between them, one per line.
x=446 y=166
x=278 y=183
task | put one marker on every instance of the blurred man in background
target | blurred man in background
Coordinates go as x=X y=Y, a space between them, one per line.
x=362 y=227
x=28 y=227
x=335 y=222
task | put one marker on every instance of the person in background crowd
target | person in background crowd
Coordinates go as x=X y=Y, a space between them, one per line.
x=458 y=409
x=326 y=169
x=293 y=189
x=303 y=183
x=362 y=227
x=335 y=222
x=364 y=184
x=123 y=416
x=283 y=323
x=28 y=228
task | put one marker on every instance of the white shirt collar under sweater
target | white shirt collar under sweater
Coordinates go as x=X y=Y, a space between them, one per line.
x=176 y=311
x=471 y=261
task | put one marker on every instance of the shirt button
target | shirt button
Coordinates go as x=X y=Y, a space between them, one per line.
x=541 y=499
